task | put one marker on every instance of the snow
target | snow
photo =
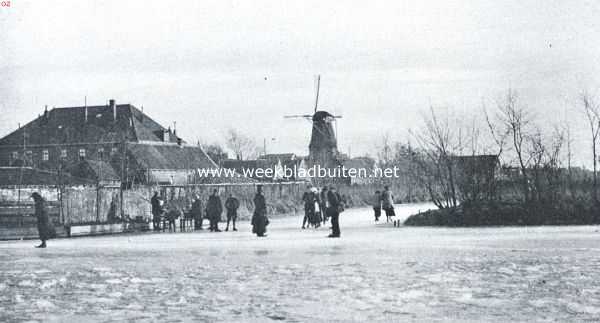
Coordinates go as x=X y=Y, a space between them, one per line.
x=375 y=272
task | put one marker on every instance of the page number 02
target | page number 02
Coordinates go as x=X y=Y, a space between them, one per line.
x=5 y=4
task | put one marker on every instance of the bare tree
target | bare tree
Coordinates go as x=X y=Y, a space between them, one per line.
x=592 y=113
x=438 y=143
x=242 y=146
x=515 y=122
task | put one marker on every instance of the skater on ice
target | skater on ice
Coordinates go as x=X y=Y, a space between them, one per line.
x=214 y=208
x=259 y=218
x=231 y=205
x=44 y=225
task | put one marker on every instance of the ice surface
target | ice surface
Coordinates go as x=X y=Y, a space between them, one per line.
x=375 y=272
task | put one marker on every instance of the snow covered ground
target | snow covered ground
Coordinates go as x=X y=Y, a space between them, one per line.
x=375 y=272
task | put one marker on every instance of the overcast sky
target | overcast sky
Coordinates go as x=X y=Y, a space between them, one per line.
x=210 y=65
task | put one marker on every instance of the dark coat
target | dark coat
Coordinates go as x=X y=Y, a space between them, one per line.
x=196 y=211
x=45 y=228
x=214 y=207
x=335 y=203
x=259 y=218
x=232 y=204
x=156 y=208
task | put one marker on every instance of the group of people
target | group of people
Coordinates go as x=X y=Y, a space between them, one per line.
x=383 y=201
x=212 y=212
x=320 y=206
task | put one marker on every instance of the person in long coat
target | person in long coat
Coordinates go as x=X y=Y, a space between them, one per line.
x=376 y=203
x=231 y=204
x=214 y=208
x=196 y=212
x=309 y=207
x=335 y=205
x=157 y=211
x=45 y=228
x=259 y=218
x=387 y=203
x=324 y=205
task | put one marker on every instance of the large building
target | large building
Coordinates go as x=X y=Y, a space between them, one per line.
x=137 y=148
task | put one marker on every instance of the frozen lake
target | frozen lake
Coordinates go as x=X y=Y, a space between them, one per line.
x=375 y=272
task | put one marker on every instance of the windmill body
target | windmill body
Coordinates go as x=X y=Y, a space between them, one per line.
x=323 y=149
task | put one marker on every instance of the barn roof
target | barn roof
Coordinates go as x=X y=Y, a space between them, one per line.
x=69 y=125
x=170 y=156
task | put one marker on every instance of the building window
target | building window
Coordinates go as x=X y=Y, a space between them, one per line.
x=63 y=153
x=29 y=157
x=114 y=150
x=81 y=153
x=45 y=155
x=100 y=153
x=15 y=155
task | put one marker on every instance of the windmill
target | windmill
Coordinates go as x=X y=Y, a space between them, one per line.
x=323 y=143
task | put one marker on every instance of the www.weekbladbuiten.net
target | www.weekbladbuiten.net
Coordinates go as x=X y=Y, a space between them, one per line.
x=300 y=172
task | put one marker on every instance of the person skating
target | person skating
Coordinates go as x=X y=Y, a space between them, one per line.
x=196 y=212
x=376 y=203
x=214 y=208
x=173 y=213
x=309 y=206
x=45 y=228
x=156 y=211
x=387 y=203
x=259 y=218
x=333 y=211
x=231 y=204
x=324 y=205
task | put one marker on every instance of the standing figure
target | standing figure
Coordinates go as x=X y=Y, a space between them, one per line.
x=156 y=211
x=231 y=204
x=335 y=206
x=196 y=212
x=324 y=205
x=214 y=208
x=259 y=218
x=317 y=218
x=387 y=203
x=173 y=213
x=376 y=203
x=309 y=206
x=45 y=228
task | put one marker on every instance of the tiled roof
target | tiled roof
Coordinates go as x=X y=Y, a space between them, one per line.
x=33 y=176
x=94 y=170
x=69 y=125
x=170 y=156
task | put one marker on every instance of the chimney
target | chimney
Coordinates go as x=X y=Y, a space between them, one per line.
x=113 y=107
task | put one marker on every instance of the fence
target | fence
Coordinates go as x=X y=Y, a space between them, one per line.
x=98 y=204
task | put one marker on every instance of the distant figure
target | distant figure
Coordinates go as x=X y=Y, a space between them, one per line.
x=111 y=217
x=231 y=205
x=156 y=211
x=173 y=214
x=316 y=214
x=376 y=203
x=335 y=206
x=324 y=205
x=309 y=206
x=196 y=212
x=387 y=203
x=259 y=218
x=214 y=208
x=45 y=228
